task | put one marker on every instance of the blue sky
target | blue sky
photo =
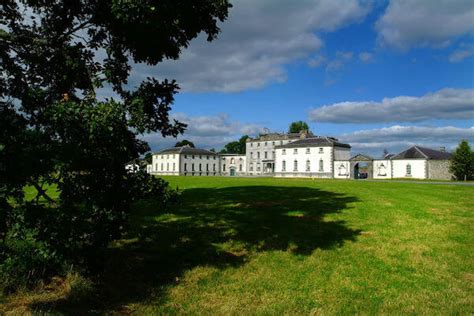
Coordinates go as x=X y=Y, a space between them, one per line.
x=383 y=74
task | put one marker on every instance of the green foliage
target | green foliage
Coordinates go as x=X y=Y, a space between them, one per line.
x=462 y=162
x=55 y=131
x=236 y=147
x=298 y=126
x=184 y=142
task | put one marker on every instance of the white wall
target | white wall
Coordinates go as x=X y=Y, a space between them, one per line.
x=382 y=169
x=165 y=164
x=418 y=168
x=209 y=165
x=342 y=169
x=255 y=153
x=237 y=162
x=315 y=155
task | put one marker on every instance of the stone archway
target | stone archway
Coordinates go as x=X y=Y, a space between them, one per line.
x=361 y=167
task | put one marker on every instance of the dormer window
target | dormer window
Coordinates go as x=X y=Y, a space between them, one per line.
x=321 y=150
x=308 y=150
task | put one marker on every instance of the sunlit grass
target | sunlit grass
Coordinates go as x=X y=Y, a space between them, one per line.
x=293 y=246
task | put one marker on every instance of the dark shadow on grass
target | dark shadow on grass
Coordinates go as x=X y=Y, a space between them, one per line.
x=214 y=227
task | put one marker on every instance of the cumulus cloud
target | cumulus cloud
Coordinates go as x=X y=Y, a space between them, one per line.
x=205 y=131
x=446 y=103
x=464 y=51
x=409 y=23
x=397 y=138
x=257 y=41
x=339 y=61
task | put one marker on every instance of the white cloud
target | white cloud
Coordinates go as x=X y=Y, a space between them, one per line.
x=316 y=61
x=410 y=23
x=205 y=131
x=397 y=138
x=366 y=57
x=464 y=51
x=447 y=103
x=256 y=42
x=339 y=61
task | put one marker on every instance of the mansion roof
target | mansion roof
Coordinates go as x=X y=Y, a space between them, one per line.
x=281 y=136
x=417 y=152
x=186 y=150
x=315 y=142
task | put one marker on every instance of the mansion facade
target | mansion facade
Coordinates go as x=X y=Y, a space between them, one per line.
x=301 y=155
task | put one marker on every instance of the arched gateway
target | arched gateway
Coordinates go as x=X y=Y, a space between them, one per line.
x=361 y=167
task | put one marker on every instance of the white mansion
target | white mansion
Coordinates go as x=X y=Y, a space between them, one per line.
x=301 y=155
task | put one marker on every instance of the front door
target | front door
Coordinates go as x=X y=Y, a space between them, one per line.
x=232 y=172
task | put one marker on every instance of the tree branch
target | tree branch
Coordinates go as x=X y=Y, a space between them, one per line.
x=42 y=192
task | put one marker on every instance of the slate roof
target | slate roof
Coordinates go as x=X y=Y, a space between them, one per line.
x=361 y=157
x=186 y=150
x=417 y=152
x=315 y=142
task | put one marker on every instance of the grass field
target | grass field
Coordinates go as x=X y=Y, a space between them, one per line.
x=294 y=246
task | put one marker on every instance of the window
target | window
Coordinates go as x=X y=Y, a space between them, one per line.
x=200 y=156
x=273 y=143
x=382 y=170
x=342 y=170
x=251 y=155
x=223 y=167
x=266 y=155
x=408 y=169
x=281 y=142
x=240 y=167
x=321 y=165
x=167 y=166
x=308 y=150
x=156 y=167
x=192 y=167
x=251 y=144
x=207 y=167
x=174 y=166
x=308 y=165
x=258 y=144
x=258 y=155
x=161 y=166
x=214 y=167
x=273 y=154
x=232 y=160
x=283 y=151
x=185 y=156
x=295 y=165
x=192 y=156
x=265 y=143
x=251 y=166
x=200 y=167
x=258 y=166
x=295 y=151
x=321 y=150
x=283 y=165
x=207 y=157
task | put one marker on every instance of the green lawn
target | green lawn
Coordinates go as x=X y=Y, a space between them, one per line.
x=286 y=246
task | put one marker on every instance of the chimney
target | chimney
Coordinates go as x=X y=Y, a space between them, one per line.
x=442 y=149
x=303 y=134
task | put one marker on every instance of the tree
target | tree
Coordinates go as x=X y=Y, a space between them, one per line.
x=54 y=130
x=298 y=126
x=149 y=158
x=462 y=162
x=184 y=142
x=236 y=147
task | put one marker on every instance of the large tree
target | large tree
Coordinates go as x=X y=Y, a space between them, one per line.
x=55 y=130
x=298 y=126
x=184 y=142
x=236 y=147
x=462 y=162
